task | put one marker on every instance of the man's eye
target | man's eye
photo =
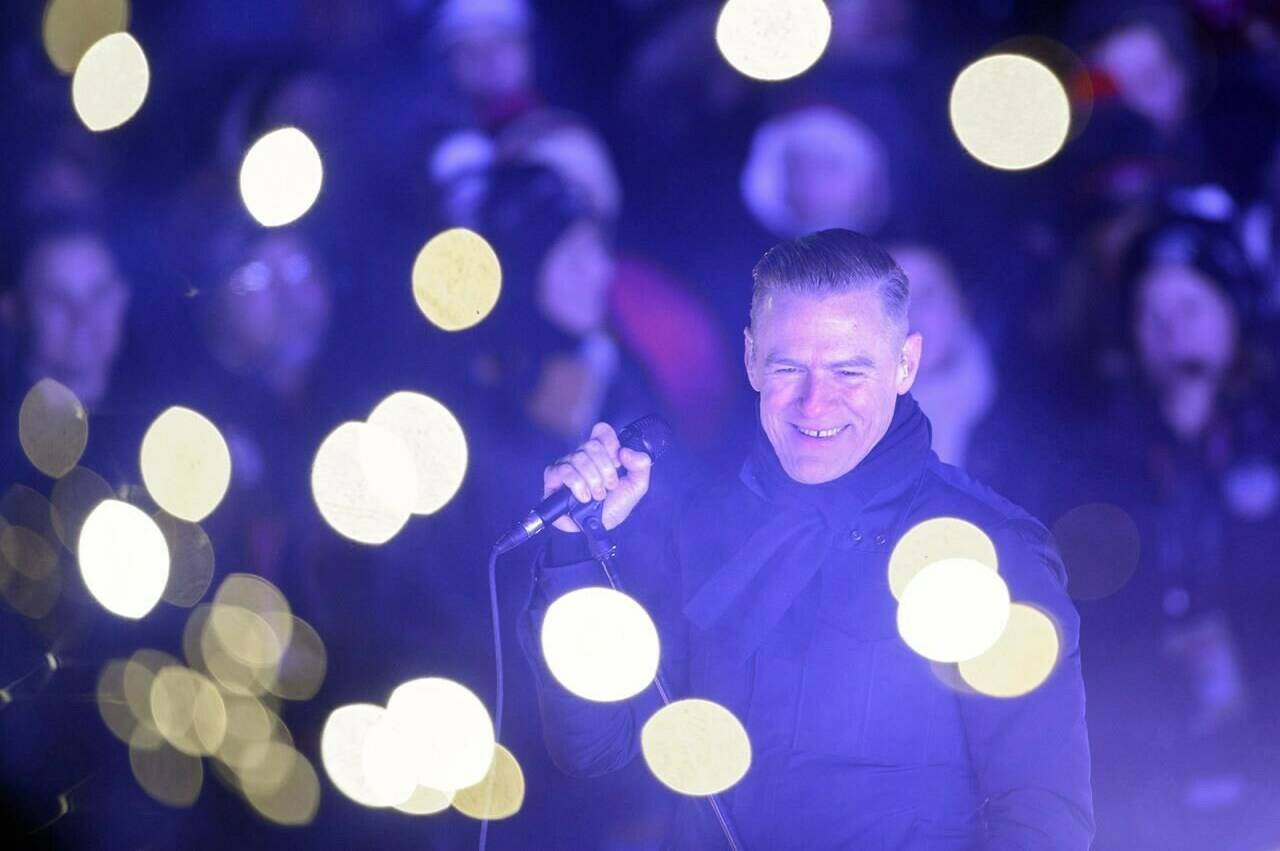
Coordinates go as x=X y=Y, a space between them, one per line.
x=782 y=370
x=851 y=373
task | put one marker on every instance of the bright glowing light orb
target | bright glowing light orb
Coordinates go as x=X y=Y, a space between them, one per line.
x=364 y=482
x=280 y=177
x=933 y=540
x=456 y=279
x=953 y=610
x=773 y=39
x=600 y=644
x=445 y=730
x=123 y=558
x=111 y=82
x=53 y=428
x=1020 y=660
x=426 y=802
x=342 y=751
x=186 y=464
x=1010 y=111
x=696 y=747
x=434 y=439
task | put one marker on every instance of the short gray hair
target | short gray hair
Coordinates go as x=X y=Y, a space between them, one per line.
x=830 y=262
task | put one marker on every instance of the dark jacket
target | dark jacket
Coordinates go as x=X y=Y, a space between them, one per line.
x=857 y=741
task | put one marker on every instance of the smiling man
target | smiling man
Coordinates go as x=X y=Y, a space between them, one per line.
x=780 y=608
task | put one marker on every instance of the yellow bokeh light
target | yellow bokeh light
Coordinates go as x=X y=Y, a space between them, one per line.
x=456 y=279
x=73 y=497
x=499 y=795
x=186 y=464
x=435 y=440
x=953 y=610
x=600 y=644
x=426 y=802
x=696 y=747
x=1010 y=111
x=188 y=711
x=445 y=730
x=110 y=82
x=773 y=39
x=136 y=680
x=251 y=727
x=342 y=751
x=281 y=176
x=112 y=705
x=53 y=427
x=191 y=560
x=934 y=540
x=166 y=774
x=70 y=27
x=364 y=482
x=123 y=558
x=1020 y=660
x=293 y=801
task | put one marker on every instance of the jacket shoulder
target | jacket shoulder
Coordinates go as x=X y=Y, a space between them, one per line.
x=947 y=490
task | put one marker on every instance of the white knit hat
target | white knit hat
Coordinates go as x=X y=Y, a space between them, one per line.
x=456 y=18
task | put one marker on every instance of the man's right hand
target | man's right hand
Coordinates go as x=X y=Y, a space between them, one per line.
x=591 y=472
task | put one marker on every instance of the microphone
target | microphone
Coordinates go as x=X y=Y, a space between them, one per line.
x=650 y=434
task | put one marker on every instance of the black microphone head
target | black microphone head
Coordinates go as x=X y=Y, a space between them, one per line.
x=650 y=434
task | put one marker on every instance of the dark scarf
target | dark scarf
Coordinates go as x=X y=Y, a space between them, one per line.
x=743 y=601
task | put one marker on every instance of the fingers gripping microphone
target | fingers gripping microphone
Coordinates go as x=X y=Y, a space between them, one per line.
x=649 y=434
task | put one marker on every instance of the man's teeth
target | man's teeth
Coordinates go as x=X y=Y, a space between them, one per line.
x=829 y=432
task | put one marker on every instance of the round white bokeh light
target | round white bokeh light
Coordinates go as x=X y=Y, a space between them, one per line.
x=186 y=464
x=123 y=558
x=281 y=176
x=444 y=730
x=696 y=747
x=953 y=610
x=110 y=82
x=364 y=482
x=600 y=644
x=1010 y=112
x=773 y=39
x=435 y=441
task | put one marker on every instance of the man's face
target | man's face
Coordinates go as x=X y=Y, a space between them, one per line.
x=829 y=370
x=1184 y=327
x=75 y=302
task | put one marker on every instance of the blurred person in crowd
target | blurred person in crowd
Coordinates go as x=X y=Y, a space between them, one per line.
x=489 y=57
x=957 y=383
x=817 y=167
x=1260 y=235
x=66 y=303
x=1188 y=448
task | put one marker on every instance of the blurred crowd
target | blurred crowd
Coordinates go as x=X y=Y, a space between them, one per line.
x=1100 y=345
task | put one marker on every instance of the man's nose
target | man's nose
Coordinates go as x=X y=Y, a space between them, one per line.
x=814 y=394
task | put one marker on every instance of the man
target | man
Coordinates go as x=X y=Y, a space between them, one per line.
x=785 y=615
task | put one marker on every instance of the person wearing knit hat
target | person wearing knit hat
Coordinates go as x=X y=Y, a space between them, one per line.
x=814 y=168
x=488 y=54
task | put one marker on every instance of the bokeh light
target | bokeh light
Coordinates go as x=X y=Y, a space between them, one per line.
x=112 y=705
x=342 y=750
x=390 y=768
x=123 y=558
x=696 y=747
x=933 y=540
x=435 y=441
x=773 y=39
x=1100 y=546
x=165 y=773
x=186 y=464
x=953 y=610
x=1010 y=111
x=188 y=710
x=600 y=644
x=294 y=800
x=301 y=669
x=280 y=177
x=27 y=553
x=53 y=427
x=30 y=573
x=72 y=499
x=110 y=82
x=445 y=730
x=1020 y=660
x=191 y=560
x=70 y=27
x=456 y=279
x=499 y=795
x=364 y=482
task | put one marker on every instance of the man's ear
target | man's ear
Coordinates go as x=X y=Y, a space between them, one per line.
x=749 y=358
x=909 y=362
